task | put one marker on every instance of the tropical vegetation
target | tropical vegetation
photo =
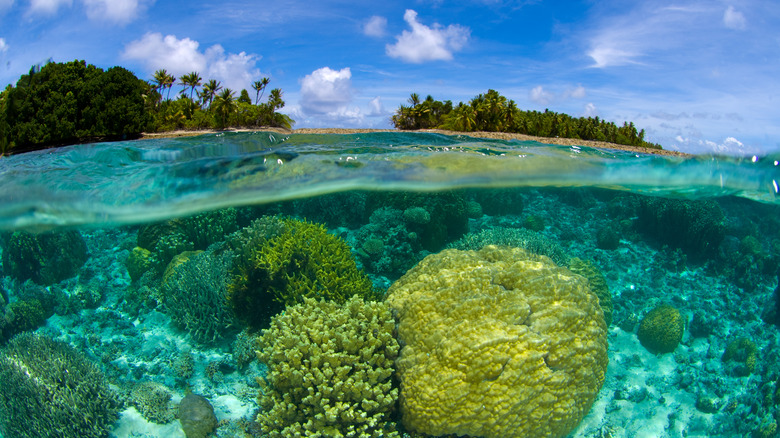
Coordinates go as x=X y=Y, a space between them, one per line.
x=74 y=102
x=493 y=112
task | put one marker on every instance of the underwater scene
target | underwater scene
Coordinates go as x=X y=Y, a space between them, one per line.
x=387 y=284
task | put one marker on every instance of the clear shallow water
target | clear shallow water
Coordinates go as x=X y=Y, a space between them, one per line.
x=707 y=243
x=132 y=182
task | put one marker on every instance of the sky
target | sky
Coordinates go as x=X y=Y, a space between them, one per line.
x=698 y=76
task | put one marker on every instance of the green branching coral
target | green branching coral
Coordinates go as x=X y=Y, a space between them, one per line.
x=46 y=258
x=329 y=371
x=661 y=330
x=153 y=401
x=302 y=261
x=48 y=389
x=194 y=294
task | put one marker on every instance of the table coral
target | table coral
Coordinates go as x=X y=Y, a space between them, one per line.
x=329 y=371
x=498 y=343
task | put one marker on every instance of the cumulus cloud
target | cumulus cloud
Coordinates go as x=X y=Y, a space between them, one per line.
x=47 y=7
x=423 y=43
x=376 y=26
x=734 y=19
x=181 y=56
x=115 y=11
x=3 y=45
x=590 y=110
x=375 y=107
x=729 y=146
x=540 y=96
x=325 y=91
x=543 y=97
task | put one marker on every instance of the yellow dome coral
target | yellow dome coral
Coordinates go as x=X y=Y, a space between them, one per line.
x=498 y=343
x=661 y=330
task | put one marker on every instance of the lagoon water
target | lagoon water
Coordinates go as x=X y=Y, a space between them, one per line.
x=97 y=238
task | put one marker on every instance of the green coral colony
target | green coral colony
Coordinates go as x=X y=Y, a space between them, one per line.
x=498 y=333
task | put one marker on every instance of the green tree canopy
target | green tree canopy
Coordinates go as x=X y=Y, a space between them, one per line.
x=72 y=102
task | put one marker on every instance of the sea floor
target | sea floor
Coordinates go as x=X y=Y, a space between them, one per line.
x=688 y=393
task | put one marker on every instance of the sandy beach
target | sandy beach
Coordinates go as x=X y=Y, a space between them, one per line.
x=477 y=134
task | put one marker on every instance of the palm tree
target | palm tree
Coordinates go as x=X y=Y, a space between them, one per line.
x=210 y=90
x=168 y=82
x=414 y=99
x=259 y=87
x=224 y=106
x=191 y=80
x=275 y=99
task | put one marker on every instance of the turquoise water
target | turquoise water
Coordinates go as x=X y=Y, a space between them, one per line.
x=136 y=273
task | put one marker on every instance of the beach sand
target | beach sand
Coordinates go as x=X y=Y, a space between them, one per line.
x=477 y=134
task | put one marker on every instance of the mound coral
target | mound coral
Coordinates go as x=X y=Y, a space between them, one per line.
x=196 y=416
x=46 y=258
x=48 y=389
x=302 y=260
x=329 y=371
x=498 y=343
x=740 y=357
x=661 y=330
x=597 y=283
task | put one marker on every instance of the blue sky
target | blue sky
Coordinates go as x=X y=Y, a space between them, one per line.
x=699 y=76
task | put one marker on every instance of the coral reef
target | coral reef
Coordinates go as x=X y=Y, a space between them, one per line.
x=46 y=258
x=303 y=260
x=448 y=212
x=740 y=357
x=385 y=246
x=48 y=389
x=698 y=227
x=597 y=283
x=196 y=416
x=138 y=262
x=167 y=239
x=329 y=371
x=194 y=294
x=497 y=343
x=153 y=401
x=661 y=330
x=516 y=237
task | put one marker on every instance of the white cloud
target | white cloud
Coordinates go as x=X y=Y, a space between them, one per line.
x=47 y=7
x=423 y=43
x=181 y=56
x=3 y=45
x=734 y=19
x=376 y=26
x=576 y=93
x=375 y=107
x=729 y=146
x=116 y=11
x=543 y=97
x=540 y=96
x=590 y=110
x=326 y=91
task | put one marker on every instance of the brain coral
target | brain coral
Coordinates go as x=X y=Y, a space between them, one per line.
x=661 y=330
x=330 y=371
x=498 y=343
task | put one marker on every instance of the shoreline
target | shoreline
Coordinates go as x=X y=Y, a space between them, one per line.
x=476 y=134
